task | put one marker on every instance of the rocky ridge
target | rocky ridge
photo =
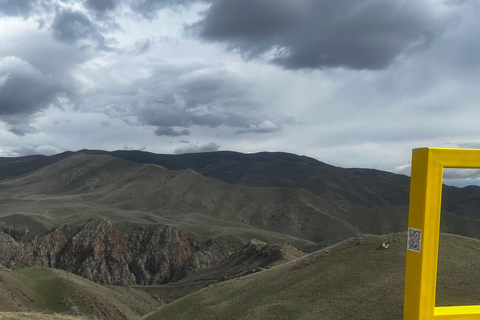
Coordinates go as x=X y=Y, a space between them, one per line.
x=100 y=252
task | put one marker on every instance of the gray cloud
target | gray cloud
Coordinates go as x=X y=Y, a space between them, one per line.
x=23 y=91
x=262 y=127
x=35 y=73
x=45 y=54
x=20 y=129
x=100 y=7
x=142 y=46
x=71 y=26
x=308 y=34
x=149 y=8
x=461 y=177
x=166 y=131
x=21 y=8
x=27 y=150
x=176 y=97
x=196 y=149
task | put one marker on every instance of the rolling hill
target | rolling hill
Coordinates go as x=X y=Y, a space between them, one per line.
x=355 y=279
x=39 y=289
x=367 y=187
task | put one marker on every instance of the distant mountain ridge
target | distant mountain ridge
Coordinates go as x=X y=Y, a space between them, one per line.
x=363 y=186
x=367 y=187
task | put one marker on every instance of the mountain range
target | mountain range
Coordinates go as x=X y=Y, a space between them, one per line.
x=170 y=225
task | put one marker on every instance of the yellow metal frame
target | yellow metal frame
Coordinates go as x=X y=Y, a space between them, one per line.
x=424 y=215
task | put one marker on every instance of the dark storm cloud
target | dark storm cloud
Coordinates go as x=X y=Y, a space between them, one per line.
x=100 y=7
x=310 y=34
x=195 y=149
x=35 y=71
x=71 y=26
x=17 y=8
x=149 y=8
x=23 y=92
x=166 y=131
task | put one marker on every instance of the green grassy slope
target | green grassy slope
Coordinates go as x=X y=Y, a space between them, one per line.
x=351 y=280
x=38 y=289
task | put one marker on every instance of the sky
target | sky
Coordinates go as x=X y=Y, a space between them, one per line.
x=350 y=83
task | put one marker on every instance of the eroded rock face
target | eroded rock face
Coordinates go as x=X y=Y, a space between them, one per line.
x=45 y=250
x=15 y=233
x=9 y=249
x=212 y=253
x=99 y=252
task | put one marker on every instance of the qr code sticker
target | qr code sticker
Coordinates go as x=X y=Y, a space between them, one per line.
x=414 y=239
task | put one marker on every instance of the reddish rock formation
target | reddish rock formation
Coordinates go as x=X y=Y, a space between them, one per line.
x=99 y=252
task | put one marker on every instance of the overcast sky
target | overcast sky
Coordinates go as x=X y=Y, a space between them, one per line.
x=351 y=83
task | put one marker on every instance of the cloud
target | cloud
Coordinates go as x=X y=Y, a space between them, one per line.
x=196 y=149
x=201 y=97
x=263 y=127
x=70 y=27
x=142 y=46
x=36 y=72
x=27 y=150
x=21 y=128
x=149 y=8
x=100 y=7
x=166 y=131
x=174 y=98
x=308 y=34
x=461 y=177
x=23 y=91
x=17 y=8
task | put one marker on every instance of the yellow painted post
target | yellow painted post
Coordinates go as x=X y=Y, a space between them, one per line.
x=424 y=232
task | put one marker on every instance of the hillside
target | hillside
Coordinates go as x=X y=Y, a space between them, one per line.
x=39 y=289
x=85 y=186
x=367 y=187
x=81 y=187
x=364 y=186
x=355 y=279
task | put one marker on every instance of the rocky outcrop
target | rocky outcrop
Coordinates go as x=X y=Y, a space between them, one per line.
x=100 y=252
x=259 y=254
x=9 y=249
x=212 y=253
x=45 y=250
x=15 y=233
